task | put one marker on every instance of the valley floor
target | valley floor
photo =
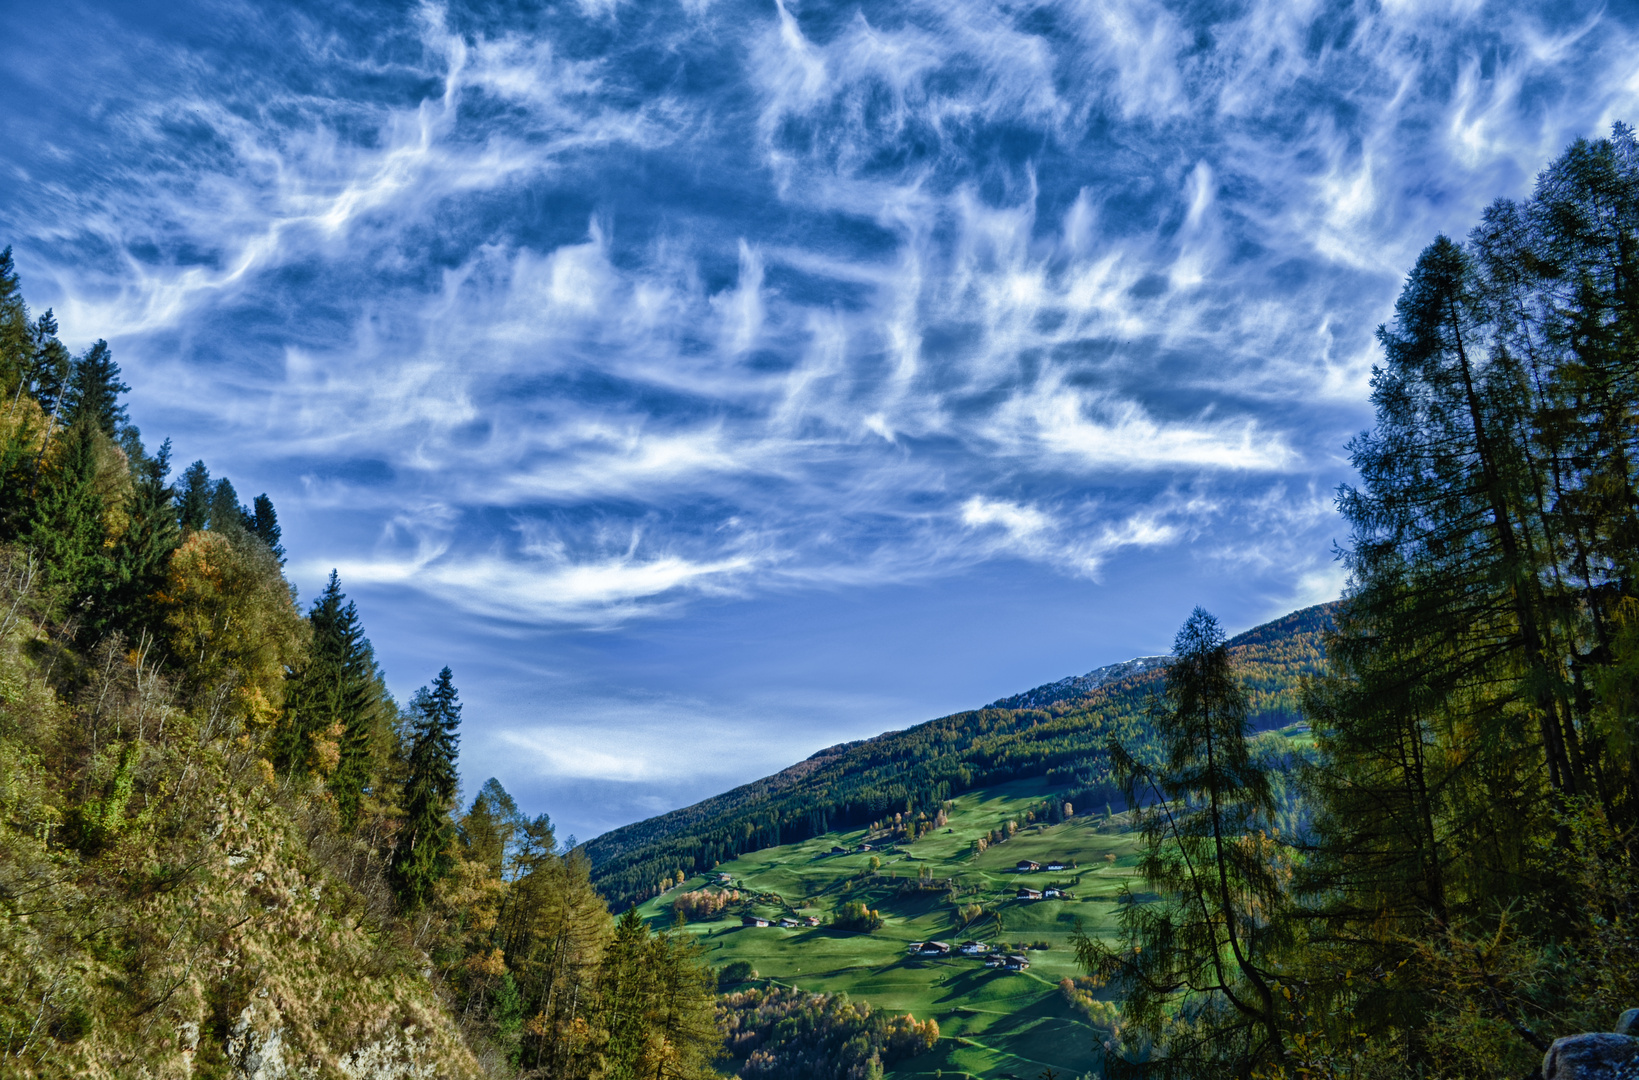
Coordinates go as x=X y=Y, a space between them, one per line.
x=993 y=1022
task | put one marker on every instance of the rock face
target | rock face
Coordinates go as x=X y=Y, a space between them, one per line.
x=1599 y=1056
x=256 y=1046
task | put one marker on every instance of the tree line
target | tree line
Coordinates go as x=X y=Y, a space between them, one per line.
x=1461 y=885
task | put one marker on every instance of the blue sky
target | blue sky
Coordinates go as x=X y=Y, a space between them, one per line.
x=711 y=381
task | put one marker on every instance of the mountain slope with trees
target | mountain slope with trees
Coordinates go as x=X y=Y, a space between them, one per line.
x=225 y=850
x=916 y=770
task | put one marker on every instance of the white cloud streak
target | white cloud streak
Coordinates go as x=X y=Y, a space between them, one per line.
x=902 y=289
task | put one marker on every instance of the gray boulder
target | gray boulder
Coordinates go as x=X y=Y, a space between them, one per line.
x=1627 y=1023
x=1598 y=1056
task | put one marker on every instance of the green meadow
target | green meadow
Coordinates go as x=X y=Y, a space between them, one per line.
x=993 y=1023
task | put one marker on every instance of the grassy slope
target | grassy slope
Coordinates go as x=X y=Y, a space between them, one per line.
x=992 y=1023
x=207 y=929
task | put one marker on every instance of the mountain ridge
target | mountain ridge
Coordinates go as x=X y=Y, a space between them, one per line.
x=1075 y=686
x=1061 y=734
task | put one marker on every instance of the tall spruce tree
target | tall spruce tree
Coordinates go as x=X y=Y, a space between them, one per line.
x=421 y=854
x=332 y=704
x=16 y=334
x=93 y=391
x=685 y=1037
x=225 y=514
x=49 y=367
x=626 y=989
x=264 y=524
x=193 y=498
x=141 y=556
x=66 y=525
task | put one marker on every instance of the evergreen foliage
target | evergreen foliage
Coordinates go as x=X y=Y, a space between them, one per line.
x=66 y=527
x=49 y=368
x=139 y=559
x=263 y=522
x=16 y=337
x=193 y=498
x=93 y=391
x=421 y=857
x=333 y=707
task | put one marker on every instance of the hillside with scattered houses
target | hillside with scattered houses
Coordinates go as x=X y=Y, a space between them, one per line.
x=913 y=771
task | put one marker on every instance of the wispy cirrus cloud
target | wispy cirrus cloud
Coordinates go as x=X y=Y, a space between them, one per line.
x=578 y=318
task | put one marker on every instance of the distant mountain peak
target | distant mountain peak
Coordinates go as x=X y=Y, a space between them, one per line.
x=1076 y=686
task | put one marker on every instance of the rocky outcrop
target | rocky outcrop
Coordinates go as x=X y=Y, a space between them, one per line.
x=1596 y=1056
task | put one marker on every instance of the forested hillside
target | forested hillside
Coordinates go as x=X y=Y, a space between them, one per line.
x=225 y=850
x=1461 y=890
x=915 y=771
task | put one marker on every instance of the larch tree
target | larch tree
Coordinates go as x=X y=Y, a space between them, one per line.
x=1199 y=969
x=1477 y=724
x=488 y=827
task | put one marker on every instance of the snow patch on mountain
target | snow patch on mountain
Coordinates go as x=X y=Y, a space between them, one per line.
x=1079 y=685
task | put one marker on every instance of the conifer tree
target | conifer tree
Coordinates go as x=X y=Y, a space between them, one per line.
x=93 y=391
x=49 y=367
x=16 y=337
x=139 y=560
x=686 y=1036
x=193 y=499
x=332 y=704
x=489 y=826
x=626 y=985
x=1207 y=946
x=225 y=514
x=1473 y=712
x=264 y=523
x=421 y=855
x=66 y=526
